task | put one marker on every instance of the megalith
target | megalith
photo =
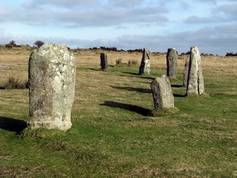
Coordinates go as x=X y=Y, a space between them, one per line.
x=195 y=80
x=103 y=61
x=171 y=61
x=145 y=63
x=52 y=75
x=185 y=74
x=163 y=98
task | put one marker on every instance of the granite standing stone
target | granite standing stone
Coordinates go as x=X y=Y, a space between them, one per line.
x=195 y=82
x=52 y=74
x=185 y=74
x=145 y=63
x=103 y=61
x=162 y=94
x=171 y=61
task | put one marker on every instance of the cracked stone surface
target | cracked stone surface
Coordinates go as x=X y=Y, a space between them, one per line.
x=52 y=74
x=195 y=80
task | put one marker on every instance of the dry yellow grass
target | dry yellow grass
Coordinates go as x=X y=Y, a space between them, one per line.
x=199 y=141
x=15 y=62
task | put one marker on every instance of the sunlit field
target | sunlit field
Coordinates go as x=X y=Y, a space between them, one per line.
x=113 y=134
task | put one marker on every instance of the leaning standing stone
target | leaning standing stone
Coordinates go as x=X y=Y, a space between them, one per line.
x=52 y=74
x=103 y=61
x=195 y=82
x=162 y=94
x=171 y=60
x=145 y=63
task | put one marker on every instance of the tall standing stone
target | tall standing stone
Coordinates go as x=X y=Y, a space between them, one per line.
x=195 y=81
x=162 y=94
x=185 y=74
x=171 y=60
x=145 y=63
x=103 y=61
x=52 y=74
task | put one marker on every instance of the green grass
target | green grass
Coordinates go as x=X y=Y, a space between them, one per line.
x=113 y=136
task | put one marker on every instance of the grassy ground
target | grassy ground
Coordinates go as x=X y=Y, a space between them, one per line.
x=113 y=134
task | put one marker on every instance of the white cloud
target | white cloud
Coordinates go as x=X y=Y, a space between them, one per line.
x=73 y=13
x=157 y=24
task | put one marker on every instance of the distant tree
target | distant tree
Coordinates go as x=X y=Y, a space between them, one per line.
x=39 y=43
x=231 y=54
x=11 y=44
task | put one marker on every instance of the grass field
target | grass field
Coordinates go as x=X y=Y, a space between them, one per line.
x=113 y=134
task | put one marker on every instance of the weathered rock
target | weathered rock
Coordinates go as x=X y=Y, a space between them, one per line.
x=171 y=60
x=186 y=70
x=52 y=74
x=195 y=81
x=162 y=94
x=103 y=61
x=145 y=63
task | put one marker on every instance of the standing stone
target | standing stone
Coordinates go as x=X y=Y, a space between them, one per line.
x=162 y=94
x=145 y=63
x=103 y=61
x=195 y=81
x=185 y=75
x=171 y=60
x=52 y=74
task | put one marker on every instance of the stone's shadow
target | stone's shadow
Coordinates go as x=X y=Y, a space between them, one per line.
x=176 y=86
x=141 y=76
x=141 y=90
x=98 y=69
x=180 y=95
x=12 y=125
x=131 y=73
x=150 y=78
x=133 y=108
x=94 y=69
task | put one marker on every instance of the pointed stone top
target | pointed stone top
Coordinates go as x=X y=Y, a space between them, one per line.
x=172 y=49
x=195 y=50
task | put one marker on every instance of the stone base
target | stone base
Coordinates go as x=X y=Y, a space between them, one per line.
x=64 y=126
x=193 y=94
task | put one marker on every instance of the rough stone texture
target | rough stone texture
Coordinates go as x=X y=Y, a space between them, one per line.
x=171 y=61
x=52 y=74
x=185 y=75
x=162 y=93
x=195 y=82
x=145 y=63
x=103 y=61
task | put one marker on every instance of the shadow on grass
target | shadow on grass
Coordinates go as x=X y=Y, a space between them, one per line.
x=98 y=68
x=94 y=69
x=177 y=86
x=131 y=73
x=141 y=90
x=12 y=125
x=141 y=76
x=180 y=95
x=133 y=108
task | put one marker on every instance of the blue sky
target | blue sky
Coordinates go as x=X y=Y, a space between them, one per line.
x=129 y=24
